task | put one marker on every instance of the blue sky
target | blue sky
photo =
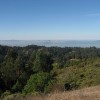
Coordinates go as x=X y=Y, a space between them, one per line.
x=49 y=19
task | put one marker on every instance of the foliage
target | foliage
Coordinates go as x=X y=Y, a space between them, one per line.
x=43 y=62
x=39 y=69
x=37 y=83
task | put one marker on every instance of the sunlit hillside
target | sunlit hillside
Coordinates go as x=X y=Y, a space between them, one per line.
x=91 y=93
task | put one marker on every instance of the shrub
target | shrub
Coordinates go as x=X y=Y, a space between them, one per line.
x=37 y=83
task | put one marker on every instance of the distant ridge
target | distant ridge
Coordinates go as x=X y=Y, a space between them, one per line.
x=49 y=43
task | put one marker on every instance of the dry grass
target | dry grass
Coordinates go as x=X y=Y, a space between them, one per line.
x=91 y=93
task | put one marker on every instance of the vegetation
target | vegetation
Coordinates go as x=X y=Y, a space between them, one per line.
x=34 y=70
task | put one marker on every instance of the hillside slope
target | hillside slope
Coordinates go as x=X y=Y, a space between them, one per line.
x=91 y=93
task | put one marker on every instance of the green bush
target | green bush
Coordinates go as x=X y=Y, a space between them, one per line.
x=5 y=94
x=37 y=83
x=17 y=96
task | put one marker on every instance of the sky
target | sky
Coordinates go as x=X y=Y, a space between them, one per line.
x=49 y=19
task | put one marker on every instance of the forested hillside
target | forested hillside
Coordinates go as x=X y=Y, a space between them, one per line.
x=38 y=69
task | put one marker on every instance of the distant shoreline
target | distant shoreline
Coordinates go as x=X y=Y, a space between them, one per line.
x=50 y=43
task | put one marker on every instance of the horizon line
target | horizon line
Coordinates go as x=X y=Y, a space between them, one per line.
x=50 y=40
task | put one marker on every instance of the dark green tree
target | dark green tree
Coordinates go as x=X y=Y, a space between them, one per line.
x=43 y=62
